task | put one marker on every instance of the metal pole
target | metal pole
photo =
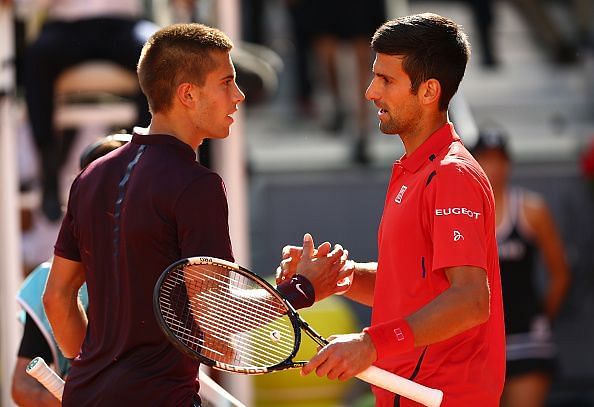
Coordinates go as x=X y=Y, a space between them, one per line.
x=229 y=161
x=10 y=262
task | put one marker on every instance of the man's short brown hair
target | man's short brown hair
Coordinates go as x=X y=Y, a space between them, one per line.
x=176 y=54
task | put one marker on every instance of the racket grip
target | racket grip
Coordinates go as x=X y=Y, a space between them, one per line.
x=46 y=376
x=399 y=385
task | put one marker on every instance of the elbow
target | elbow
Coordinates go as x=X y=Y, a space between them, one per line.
x=483 y=313
x=52 y=301
x=49 y=301
x=481 y=309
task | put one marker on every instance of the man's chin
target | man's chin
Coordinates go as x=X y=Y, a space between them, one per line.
x=388 y=129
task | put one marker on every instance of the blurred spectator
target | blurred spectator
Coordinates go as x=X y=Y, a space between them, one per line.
x=484 y=17
x=524 y=228
x=352 y=22
x=37 y=337
x=302 y=39
x=37 y=340
x=76 y=31
x=562 y=47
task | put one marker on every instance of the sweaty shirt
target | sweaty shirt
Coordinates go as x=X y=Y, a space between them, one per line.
x=130 y=215
x=439 y=213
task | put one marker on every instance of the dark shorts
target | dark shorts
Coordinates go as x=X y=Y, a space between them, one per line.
x=532 y=350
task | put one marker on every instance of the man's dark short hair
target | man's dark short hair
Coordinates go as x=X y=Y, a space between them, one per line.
x=432 y=46
x=101 y=147
x=176 y=54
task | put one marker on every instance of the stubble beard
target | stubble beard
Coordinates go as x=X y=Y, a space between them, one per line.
x=389 y=127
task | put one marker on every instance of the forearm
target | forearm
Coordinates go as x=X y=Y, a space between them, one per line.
x=452 y=312
x=555 y=295
x=28 y=392
x=34 y=396
x=363 y=283
x=68 y=320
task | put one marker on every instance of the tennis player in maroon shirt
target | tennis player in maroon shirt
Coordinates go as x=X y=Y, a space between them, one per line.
x=132 y=213
x=435 y=292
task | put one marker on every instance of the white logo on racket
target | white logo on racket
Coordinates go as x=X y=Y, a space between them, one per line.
x=275 y=336
x=458 y=236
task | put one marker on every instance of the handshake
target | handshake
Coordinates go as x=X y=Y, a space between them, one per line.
x=329 y=272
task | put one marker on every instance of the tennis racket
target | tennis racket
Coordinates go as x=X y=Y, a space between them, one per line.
x=225 y=316
x=209 y=389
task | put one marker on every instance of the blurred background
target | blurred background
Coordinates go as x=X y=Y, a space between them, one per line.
x=307 y=155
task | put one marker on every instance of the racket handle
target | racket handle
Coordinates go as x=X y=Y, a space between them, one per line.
x=399 y=385
x=46 y=376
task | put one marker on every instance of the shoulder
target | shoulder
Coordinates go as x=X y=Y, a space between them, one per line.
x=201 y=183
x=206 y=178
x=534 y=207
x=458 y=163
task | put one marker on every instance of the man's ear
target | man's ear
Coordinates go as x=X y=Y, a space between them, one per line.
x=430 y=92
x=186 y=94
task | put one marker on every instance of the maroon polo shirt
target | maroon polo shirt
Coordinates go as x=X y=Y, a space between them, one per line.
x=130 y=215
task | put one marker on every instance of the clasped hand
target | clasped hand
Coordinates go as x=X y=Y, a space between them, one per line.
x=330 y=272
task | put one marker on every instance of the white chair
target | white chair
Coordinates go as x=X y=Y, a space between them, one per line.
x=93 y=93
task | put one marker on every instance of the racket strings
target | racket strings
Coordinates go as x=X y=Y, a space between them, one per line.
x=241 y=310
x=239 y=302
x=226 y=316
x=234 y=309
x=225 y=330
x=239 y=283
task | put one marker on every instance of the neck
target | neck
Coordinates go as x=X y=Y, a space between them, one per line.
x=422 y=131
x=164 y=123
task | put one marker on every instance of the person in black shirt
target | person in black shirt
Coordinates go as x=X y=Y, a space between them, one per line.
x=524 y=228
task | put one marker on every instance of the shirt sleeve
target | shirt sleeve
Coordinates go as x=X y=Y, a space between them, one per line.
x=202 y=219
x=67 y=244
x=457 y=218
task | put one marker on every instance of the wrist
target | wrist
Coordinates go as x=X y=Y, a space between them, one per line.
x=345 y=284
x=299 y=291
x=370 y=345
x=391 y=338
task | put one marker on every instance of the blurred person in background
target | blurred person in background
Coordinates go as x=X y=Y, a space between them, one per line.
x=525 y=227
x=75 y=31
x=353 y=23
x=37 y=339
x=484 y=18
x=561 y=45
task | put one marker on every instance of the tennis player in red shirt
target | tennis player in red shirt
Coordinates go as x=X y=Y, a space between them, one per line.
x=435 y=291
